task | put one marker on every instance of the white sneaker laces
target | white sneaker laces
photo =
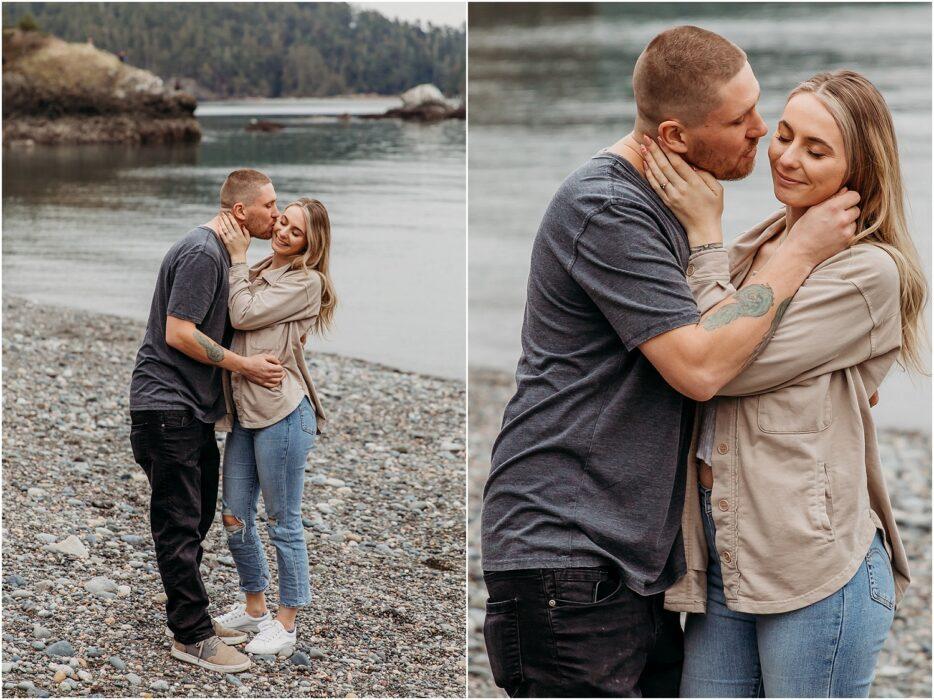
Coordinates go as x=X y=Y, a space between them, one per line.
x=271 y=631
x=232 y=615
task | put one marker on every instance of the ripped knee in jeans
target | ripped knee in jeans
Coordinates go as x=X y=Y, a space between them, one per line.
x=232 y=524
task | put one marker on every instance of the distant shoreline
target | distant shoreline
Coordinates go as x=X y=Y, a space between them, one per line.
x=128 y=319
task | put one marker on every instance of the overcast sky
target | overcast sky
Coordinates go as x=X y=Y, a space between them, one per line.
x=450 y=13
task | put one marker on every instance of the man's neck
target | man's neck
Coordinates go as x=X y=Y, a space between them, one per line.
x=628 y=149
x=214 y=223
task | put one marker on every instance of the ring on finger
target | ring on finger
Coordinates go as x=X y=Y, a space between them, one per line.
x=663 y=185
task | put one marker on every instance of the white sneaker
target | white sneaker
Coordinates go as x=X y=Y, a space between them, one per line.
x=237 y=618
x=272 y=639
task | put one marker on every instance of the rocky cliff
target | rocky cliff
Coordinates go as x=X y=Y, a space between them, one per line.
x=58 y=92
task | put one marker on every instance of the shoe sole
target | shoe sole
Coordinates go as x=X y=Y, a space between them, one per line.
x=182 y=656
x=284 y=652
x=229 y=641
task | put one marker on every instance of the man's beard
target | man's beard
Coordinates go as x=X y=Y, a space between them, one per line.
x=710 y=160
x=262 y=230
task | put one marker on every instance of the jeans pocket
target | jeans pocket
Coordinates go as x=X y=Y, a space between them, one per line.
x=140 y=449
x=177 y=420
x=501 y=634
x=581 y=587
x=307 y=417
x=881 y=580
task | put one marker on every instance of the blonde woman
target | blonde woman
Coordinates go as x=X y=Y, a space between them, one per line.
x=272 y=306
x=795 y=564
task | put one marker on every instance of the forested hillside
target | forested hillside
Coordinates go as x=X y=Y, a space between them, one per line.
x=262 y=49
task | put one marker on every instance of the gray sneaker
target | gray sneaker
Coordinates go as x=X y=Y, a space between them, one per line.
x=227 y=635
x=211 y=654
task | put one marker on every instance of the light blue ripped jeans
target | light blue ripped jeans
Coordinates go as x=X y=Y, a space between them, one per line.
x=825 y=650
x=270 y=460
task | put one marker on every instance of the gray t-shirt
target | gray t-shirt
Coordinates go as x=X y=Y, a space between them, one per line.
x=588 y=469
x=192 y=285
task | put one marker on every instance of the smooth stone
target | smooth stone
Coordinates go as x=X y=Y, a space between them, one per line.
x=231 y=678
x=159 y=685
x=40 y=632
x=315 y=653
x=60 y=648
x=133 y=679
x=94 y=652
x=300 y=658
x=99 y=585
x=117 y=663
x=71 y=546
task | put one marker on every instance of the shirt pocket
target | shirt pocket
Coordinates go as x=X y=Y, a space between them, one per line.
x=268 y=341
x=802 y=408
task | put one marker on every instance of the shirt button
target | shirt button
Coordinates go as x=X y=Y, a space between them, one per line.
x=724 y=504
x=726 y=556
x=690 y=269
x=723 y=448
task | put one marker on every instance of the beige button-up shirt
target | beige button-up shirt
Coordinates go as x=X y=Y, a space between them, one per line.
x=798 y=491
x=270 y=310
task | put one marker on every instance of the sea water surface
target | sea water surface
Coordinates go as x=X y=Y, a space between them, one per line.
x=550 y=85
x=87 y=226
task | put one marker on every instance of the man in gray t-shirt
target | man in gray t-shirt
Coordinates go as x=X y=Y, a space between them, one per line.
x=582 y=508
x=176 y=396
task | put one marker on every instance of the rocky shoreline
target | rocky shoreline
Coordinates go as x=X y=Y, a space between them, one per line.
x=83 y=603
x=904 y=667
x=56 y=92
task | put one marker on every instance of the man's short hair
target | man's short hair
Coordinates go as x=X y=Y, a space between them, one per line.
x=242 y=186
x=679 y=74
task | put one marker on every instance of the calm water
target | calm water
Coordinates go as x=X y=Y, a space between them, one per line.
x=87 y=226
x=550 y=86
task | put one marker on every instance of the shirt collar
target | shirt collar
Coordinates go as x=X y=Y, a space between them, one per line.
x=263 y=269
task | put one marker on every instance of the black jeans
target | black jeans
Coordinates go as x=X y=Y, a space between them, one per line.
x=180 y=457
x=579 y=633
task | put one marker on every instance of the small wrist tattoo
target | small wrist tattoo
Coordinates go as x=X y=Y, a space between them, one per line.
x=706 y=246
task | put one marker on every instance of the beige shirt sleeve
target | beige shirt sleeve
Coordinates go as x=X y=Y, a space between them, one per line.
x=845 y=313
x=709 y=278
x=295 y=295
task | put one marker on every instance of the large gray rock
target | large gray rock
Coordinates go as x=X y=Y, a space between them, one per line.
x=423 y=94
x=99 y=585
x=71 y=546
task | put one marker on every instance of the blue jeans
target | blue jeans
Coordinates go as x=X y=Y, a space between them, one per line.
x=827 y=649
x=271 y=460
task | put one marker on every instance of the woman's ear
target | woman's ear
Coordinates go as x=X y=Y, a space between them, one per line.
x=671 y=134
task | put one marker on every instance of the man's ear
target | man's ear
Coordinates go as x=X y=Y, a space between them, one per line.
x=671 y=134
x=239 y=212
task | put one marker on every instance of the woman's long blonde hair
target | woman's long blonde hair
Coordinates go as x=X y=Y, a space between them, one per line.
x=317 y=257
x=872 y=157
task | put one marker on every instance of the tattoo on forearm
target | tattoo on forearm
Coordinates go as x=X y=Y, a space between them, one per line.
x=214 y=351
x=754 y=300
x=779 y=312
x=706 y=246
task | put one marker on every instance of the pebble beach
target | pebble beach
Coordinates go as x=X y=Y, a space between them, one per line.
x=904 y=666
x=83 y=605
